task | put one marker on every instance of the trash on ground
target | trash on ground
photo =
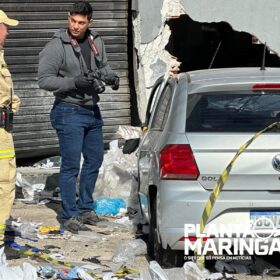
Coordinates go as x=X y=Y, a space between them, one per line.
x=28 y=272
x=193 y=272
x=46 y=271
x=253 y=266
x=176 y=273
x=128 y=249
x=31 y=192
x=115 y=173
x=125 y=271
x=56 y=256
x=92 y=260
x=125 y=221
x=108 y=206
x=49 y=229
x=51 y=162
x=87 y=236
x=27 y=230
x=157 y=272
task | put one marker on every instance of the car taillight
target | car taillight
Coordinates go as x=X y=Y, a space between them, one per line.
x=257 y=87
x=177 y=163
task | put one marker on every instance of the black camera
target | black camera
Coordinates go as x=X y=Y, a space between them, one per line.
x=97 y=84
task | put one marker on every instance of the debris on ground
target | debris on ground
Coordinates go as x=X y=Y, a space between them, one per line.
x=109 y=206
x=128 y=250
x=113 y=249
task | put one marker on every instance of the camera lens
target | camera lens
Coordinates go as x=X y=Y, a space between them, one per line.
x=98 y=86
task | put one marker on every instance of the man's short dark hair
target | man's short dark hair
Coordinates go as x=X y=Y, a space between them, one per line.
x=81 y=8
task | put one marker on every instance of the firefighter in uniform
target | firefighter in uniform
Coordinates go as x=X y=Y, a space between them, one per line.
x=9 y=103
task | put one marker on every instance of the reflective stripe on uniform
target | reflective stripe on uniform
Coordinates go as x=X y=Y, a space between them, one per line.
x=7 y=153
x=2 y=229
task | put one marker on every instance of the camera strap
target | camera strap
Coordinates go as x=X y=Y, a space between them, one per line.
x=93 y=46
x=77 y=48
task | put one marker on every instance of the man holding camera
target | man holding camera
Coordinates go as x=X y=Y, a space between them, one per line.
x=73 y=65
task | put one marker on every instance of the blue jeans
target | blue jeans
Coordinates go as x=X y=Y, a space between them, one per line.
x=79 y=132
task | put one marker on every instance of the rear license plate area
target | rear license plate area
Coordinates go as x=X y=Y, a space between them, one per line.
x=265 y=220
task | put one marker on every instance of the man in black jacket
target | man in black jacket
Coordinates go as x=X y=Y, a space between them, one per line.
x=71 y=66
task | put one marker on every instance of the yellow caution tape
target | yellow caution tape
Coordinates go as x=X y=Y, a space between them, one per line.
x=221 y=182
x=2 y=229
x=124 y=271
x=47 y=258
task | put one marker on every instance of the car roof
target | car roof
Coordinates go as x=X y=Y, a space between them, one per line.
x=224 y=79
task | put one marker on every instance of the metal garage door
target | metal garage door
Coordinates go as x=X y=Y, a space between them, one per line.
x=39 y=19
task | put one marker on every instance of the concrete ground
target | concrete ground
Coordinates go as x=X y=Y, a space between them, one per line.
x=74 y=250
x=79 y=250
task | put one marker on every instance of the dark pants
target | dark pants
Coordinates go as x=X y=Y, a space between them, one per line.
x=79 y=131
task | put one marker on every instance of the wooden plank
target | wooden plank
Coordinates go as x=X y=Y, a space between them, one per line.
x=28 y=2
x=56 y=24
x=41 y=42
x=45 y=108
x=41 y=151
x=15 y=60
x=33 y=101
x=34 y=135
x=46 y=125
x=36 y=101
x=33 y=68
x=28 y=119
x=48 y=33
x=57 y=7
x=104 y=106
x=39 y=142
x=48 y=132
x=32 y=127
x=26 y=16
x=21 y=82
x=38 y=110
x=23 y=143
x=12 y=51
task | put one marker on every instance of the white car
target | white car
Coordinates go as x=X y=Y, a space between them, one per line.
x=196 y=124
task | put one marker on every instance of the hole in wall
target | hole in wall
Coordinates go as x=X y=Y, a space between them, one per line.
x=198 y=45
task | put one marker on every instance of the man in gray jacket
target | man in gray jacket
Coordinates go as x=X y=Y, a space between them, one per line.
x=72 y=66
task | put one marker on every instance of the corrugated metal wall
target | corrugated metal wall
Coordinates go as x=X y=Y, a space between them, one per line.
x=33 y=133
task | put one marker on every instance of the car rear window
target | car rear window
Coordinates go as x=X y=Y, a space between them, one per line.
x=232 y=111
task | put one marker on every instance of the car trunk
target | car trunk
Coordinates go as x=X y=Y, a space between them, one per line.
x=253 y=169
x=218 y=124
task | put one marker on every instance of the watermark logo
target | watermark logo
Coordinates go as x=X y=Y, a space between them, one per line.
x=257 y=238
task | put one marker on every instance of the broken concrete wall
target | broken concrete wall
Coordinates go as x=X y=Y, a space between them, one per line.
x=257 y=17
x=151 y=36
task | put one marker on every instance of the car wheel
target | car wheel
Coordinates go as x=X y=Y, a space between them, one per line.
x=165 y=257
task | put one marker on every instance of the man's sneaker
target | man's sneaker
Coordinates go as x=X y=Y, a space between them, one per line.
x=89 y=218
x=74 y=225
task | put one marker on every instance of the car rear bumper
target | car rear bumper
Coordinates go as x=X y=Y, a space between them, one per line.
x=183 y=203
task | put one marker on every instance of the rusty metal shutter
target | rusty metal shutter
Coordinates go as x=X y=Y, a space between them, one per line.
x=39 y=19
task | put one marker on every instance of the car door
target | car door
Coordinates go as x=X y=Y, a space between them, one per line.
x=156 y=116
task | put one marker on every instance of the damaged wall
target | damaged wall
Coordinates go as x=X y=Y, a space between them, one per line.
x=256 y=18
